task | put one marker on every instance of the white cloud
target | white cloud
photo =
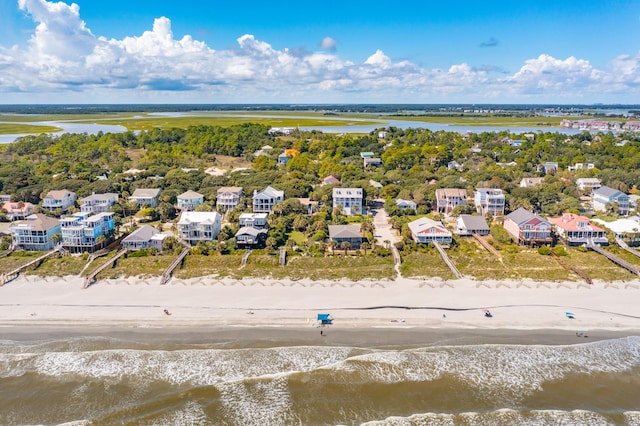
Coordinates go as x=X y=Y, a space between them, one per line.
x=63 y=56
x=329 y=43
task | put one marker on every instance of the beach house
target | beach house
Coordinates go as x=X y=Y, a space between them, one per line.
x=17 y=210
x=330 y=180
x=348 y=200
x=148 y=196
x=425 y=230
x=468 y=225
x=98 y=203
x=530 y=182
x=194 y=227
x=228 y=197
x=249 y=237
x=84 y=232
x=59 y=199
x=189 y=200
x=604 y=199
x=576 y=230
x=144 y=237
x=449 y=198
x=254 y=220
x=489 y=201
x=405 y=204
x=346 y=233
x=588 y=184
x=528 y=228
x=36 y=233
x=264 y=200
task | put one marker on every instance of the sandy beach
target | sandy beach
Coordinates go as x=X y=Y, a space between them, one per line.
x=399 y=304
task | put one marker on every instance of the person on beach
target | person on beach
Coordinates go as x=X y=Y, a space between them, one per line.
x=166 y=312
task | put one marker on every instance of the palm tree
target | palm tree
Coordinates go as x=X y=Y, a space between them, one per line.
x=345 y=245
x=365 y=246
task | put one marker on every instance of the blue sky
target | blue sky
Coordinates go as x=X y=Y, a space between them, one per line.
x=153 y=51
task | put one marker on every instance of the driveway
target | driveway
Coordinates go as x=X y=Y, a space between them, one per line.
x=383 y=232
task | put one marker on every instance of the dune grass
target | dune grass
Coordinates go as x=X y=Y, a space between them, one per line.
x=14 y=128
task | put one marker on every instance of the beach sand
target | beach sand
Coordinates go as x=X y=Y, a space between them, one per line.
x=403 y=305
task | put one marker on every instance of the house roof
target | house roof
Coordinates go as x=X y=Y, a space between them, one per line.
x=253 y=216
x=189 y=195
x=14 y=206
x=605 y=191
x=622 y=225
x=373 y=160
x=532 y=180
x=232 y=189
x=270 y=192
x=248 y=230
x=36 y=222
x=146 y=193
x=496 y=192
x=451 y=192
x=522 y=216
x=144 y=233
x=330 y=179
x=425 y=225
x=58 y=194
x=474 y=222
x=344 y=231
x=199 y=217
x=587 y=180
x=401 y=202
x=569 y=222
x=347 y=192
x=100 y=197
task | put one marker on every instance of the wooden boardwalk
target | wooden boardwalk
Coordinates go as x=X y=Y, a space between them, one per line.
x=626 y=247
x=166 y=275
x=11 y=275
x=573 y=269
x=245 y=257
x=90 y=279
x=615 y=259
x=446 y=259
x=485 y=244
x=283 y=256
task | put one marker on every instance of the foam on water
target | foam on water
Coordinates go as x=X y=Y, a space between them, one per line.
x=258 y=402
x=506 y=417
x=194 y=366
x=504 y=372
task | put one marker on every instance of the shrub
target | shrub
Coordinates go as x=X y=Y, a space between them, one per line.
x=545 y=251
x=560 y=251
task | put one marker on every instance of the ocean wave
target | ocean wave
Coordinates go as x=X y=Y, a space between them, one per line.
x=510 y=417
x=503 y=372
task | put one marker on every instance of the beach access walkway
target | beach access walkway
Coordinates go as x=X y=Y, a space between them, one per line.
x=448 y=261
x=166 y=275
x=626 y=247
x=615 y=259
x=91 y=278
x=6 y=277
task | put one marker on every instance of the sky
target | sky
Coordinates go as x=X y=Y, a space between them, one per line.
x=329 y=52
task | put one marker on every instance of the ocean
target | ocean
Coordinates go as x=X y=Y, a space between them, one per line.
x=167 y=380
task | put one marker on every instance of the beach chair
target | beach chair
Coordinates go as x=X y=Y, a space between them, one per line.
x=570 y=315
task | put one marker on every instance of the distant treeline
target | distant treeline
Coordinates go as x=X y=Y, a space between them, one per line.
x=362 y=108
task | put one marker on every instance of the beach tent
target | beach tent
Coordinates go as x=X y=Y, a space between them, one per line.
x=325 y=319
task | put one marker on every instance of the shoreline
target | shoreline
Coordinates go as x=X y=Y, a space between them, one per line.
x=236 y=337
x=374 y=312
